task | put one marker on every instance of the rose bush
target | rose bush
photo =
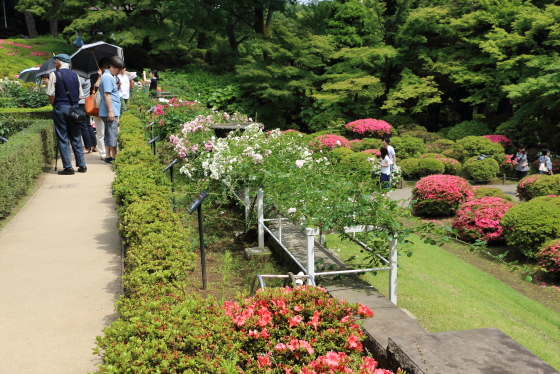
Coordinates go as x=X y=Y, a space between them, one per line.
x=480 y=219
x=440 y=195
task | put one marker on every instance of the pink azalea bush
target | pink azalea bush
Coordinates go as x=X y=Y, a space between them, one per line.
x=440 y=195
x=300 y=330
x=329 y=141
x=480 y=219
x=504 y=141
x=524 y=191
x=375 y=127
x=549 y=257
x=375 y=152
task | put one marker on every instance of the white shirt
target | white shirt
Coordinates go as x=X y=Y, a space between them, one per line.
x=386 y=169
x=391 y=152
x=124 y=92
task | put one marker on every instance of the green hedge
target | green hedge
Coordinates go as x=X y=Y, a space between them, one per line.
x=22 y=160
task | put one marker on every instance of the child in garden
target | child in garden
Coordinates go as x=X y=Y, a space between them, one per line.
x=521 y=162
x=385 y=162
x=545 y=163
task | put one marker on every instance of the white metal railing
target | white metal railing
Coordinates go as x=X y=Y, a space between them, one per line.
x=310 y=233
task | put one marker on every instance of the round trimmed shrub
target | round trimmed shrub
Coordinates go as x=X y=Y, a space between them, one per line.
x=525 y=186
x=545 y=186
x=528 y=226
x=408 y=147
x=468 y=128
x=480 y=219
x=356 y=163
x=472 y=146
x=369 y=126
x=429 y=166
x=369 y=143
x=452 y=166
x=356 y=145
x=480 y=191
x=338 y=154
x=440 y=195
x=329 y=141
x=409 y=168
x=549 y=257
x=441 y=145
x=481 y=170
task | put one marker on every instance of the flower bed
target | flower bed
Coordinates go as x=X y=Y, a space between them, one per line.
x=480 y=219
x=440 y=195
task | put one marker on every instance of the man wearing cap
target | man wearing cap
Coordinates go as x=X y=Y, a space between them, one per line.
x=65 y=127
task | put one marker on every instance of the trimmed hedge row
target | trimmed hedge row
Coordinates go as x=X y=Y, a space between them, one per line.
x=22 y=160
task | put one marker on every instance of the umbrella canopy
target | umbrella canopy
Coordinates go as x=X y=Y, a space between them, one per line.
x=28 y=75
x=85 y=60
x=46 y=68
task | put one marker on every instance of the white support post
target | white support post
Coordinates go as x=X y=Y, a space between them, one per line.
x=393 y=271
x=310 y=246
x=260 y=217
x=280 y=228
x=247 y=201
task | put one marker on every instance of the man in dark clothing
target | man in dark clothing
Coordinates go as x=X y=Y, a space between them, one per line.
x=66 y=128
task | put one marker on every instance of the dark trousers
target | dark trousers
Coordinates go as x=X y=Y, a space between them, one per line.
x=66 y=129
x=88 y=134
x=521 y=174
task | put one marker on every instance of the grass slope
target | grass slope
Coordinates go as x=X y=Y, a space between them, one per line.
x=19 y=54
x=445 y=293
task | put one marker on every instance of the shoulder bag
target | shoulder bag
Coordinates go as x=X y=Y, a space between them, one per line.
x=91 y=109
x=77 y=114
x=542 y=166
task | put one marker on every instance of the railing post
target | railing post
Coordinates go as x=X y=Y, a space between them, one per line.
x=310 y=246
x=260 y=217
x=280 y=228
x=393 y=271
x=247 y=201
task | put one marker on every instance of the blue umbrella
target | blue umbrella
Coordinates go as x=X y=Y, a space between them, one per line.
x=28 y=75
x=47 y=67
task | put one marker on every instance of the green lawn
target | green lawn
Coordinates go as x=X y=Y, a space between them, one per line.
x=445 y=293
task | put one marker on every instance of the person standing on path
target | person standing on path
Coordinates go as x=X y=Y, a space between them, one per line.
x=521 y=162
x=392 y=156
x=88 y=135
x=545 y=163
x=65 y=127
x=95 y=80
x=110 y=108
x=124 y=89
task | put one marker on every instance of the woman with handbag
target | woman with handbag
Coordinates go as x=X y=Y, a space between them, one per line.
x=521 y=162
x=545 y=163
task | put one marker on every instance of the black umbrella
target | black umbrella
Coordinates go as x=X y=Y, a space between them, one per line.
x=29 y=74
x=46 y=68
x=85 y=61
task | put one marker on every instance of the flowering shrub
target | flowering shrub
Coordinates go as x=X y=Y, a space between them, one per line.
x=169 y=117
x=396 y=175
x=375 y=152
x=546 y=186
x=504 y=141
x=329 y=141
x=480 y=219
x=440 y=195
x=376 y=127
x=300 y=330
x=507 y=167
x=529 y=225
x=549 y=257
x=525 y=186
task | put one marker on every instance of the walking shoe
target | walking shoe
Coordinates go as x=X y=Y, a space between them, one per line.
x=82 y=169
x=109 y=160
x=66 y=171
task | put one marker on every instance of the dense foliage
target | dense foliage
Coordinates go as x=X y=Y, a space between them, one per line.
x=549 y=257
